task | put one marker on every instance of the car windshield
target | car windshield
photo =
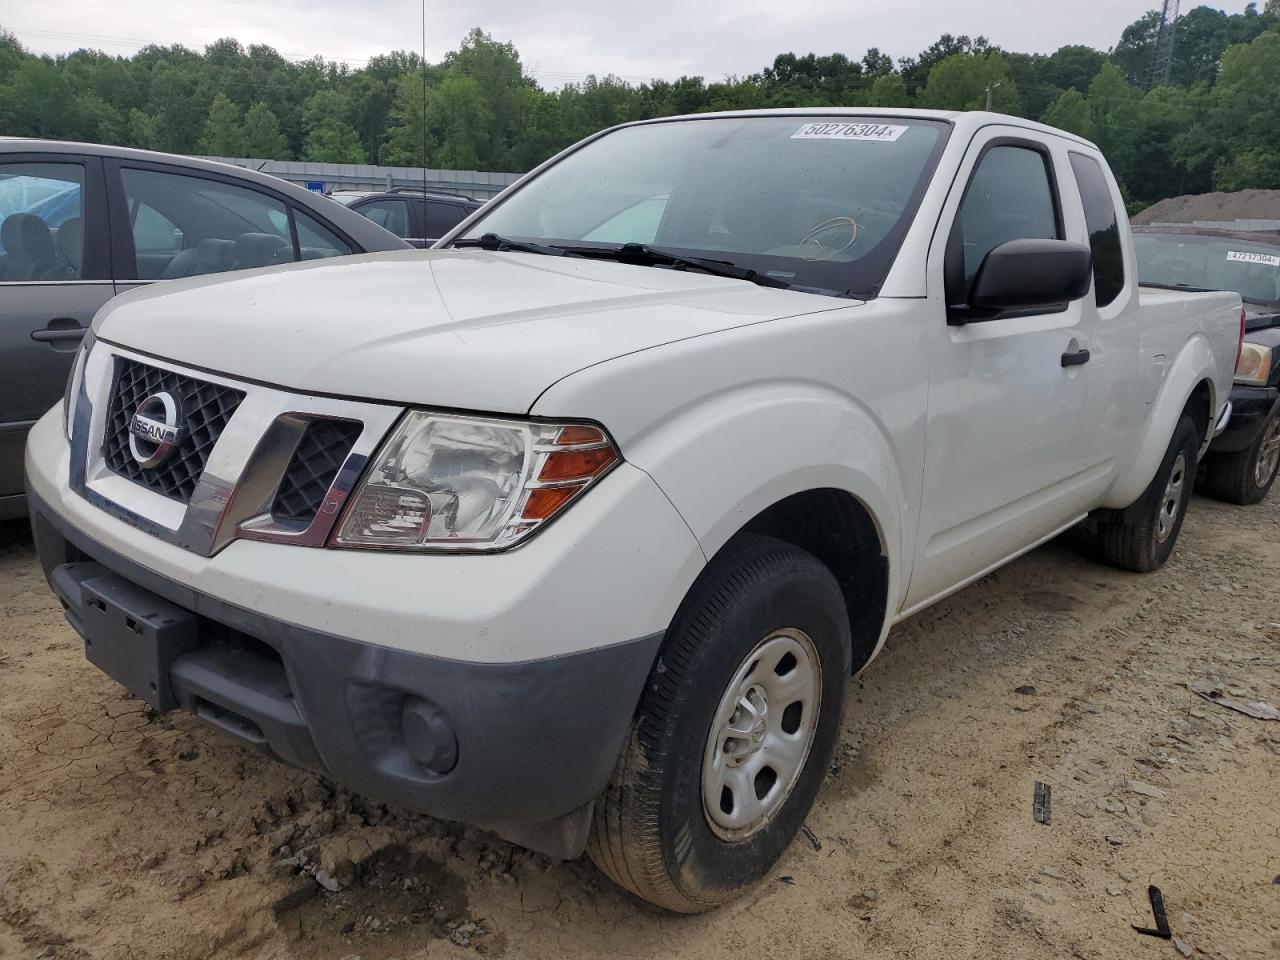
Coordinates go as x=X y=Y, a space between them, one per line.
x=813 y=203
x=1250 y=268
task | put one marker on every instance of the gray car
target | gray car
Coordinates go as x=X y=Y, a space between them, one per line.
x=80 y=223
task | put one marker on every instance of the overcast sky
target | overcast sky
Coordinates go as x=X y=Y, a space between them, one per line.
x=565 y=39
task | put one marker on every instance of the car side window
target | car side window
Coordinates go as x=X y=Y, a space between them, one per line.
x=184 y=226
x=1104 y=231
x=1009 y=197
x=391 y=215
x=439 y=217
x=316 y=241
x=41 y=222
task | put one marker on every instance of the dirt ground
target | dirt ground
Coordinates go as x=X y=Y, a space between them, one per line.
x=125 y=836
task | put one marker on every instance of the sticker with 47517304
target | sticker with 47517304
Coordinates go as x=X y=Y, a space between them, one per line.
x=1244 y=256
x=840 y=130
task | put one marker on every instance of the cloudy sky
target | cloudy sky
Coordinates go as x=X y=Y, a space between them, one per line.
x=563 y=40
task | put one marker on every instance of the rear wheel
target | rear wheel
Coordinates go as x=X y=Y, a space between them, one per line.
x=1144 y=537
x=1246 y=476
x=734 y=732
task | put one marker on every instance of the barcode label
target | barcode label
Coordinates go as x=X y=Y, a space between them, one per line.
x=827 y=130
x=1240 y=256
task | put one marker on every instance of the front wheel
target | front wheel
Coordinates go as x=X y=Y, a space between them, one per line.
x=1143 y=538
x=734 y=732
x=1246 y=476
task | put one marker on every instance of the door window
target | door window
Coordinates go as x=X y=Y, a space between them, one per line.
x=183 y=226
x=438 y=218
x=1104 y=233
x=1009 y=197
x=316 y=241
x=41 y=221
x=391 y=215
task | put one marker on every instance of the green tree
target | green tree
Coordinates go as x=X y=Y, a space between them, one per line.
x=888 y=90
x=1238 y=131
x=223 y=135
x=142 y=131
x=960 y=82
x=262 y=136
x=915 y=70
x=406 y=129
x=330 y=137
x=1071 y=112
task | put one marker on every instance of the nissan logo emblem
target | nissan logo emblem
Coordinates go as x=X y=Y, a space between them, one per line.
x=155 y=429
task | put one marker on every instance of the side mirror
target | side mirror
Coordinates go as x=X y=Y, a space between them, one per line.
x=1026 y=275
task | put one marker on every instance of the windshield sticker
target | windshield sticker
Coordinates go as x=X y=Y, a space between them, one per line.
x=1239 y=256
x=883 y=132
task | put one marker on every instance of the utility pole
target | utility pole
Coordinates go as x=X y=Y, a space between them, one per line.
x=991 y=87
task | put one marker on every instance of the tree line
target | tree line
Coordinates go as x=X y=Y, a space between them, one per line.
x=1214 y=125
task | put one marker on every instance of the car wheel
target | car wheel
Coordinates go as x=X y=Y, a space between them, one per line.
x=734 y=731
x=1246 y=476
x=1144 y=536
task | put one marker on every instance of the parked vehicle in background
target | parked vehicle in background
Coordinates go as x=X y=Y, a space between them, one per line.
x=416 y=215
x=581 y=540
x=1242 y=463
x=80 y=223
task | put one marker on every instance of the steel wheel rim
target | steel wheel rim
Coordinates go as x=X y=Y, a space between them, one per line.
x=761 y=734
x=1264 y=468
x=1171 y=502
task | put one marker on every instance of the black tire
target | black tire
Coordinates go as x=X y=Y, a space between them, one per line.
x=651 y=833
x=1234 y=476
x=1136 y=540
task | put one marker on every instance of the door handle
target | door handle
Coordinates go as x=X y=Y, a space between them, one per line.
x=50 y=336
x=59 y=330
x=1075 y=359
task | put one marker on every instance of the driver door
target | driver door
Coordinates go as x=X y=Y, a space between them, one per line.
x=1006 y=458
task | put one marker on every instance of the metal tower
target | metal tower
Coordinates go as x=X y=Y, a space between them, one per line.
x=1162 y=58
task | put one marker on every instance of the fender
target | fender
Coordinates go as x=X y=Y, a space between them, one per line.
x=748 y=439
x=1195 y=363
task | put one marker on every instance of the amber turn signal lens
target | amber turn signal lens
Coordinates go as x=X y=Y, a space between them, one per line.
x=576 y=464
x=578 y=456
x=543 y=502
x=577 y=434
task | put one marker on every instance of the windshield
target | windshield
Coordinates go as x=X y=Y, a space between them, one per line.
x=1250 y=268
x=819 y=204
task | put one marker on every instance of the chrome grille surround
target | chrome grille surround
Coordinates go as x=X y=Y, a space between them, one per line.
x=234 y=493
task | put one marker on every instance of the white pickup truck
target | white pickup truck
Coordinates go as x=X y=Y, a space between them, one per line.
x=576 y=526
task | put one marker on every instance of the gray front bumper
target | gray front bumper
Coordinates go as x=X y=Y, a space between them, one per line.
x=533 y=743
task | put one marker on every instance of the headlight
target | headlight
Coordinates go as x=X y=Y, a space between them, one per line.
x=73 y=382
x=443 y=482
x=1254 y=365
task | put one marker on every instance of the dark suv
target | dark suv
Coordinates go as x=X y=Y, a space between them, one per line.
x=413 y=214
x=1243 y=462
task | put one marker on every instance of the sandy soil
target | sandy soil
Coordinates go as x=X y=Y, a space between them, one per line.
x=125 y=836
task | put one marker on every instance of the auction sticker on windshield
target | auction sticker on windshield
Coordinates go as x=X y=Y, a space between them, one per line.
x=884 y=132
x=1240 y=256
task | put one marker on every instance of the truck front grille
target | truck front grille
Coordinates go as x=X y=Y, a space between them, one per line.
x=205 y=409
x=315 y=463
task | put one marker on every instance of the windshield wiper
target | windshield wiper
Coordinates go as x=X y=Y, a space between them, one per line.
x=491 y=241
x=644 y=255
x=1174 y=286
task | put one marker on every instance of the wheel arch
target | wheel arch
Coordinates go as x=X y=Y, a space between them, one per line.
x=839 y=530
x=1188 y=388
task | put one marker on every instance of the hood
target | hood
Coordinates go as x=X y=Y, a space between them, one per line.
x=466 y=329
x=1260 y=316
